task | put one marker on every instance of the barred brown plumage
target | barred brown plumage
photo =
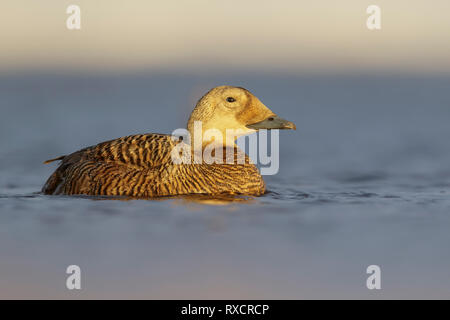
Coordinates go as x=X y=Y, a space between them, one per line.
x=141 y=165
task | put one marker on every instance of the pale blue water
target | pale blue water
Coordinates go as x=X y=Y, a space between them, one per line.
x=364 y=180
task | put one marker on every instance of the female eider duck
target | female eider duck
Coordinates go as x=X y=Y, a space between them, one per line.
x=142 y=165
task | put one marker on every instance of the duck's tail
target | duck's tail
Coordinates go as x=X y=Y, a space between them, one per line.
x=56 y=159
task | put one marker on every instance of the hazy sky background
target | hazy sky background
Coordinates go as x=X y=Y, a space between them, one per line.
x=315 y=36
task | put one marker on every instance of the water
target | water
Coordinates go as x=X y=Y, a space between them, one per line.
x=364 y=180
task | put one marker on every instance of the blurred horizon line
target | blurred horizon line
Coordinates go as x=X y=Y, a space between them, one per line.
x=188 y=71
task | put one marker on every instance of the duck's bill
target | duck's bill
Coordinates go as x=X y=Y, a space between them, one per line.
x=273 y=122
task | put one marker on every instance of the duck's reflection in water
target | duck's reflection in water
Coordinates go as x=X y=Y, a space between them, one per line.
x=221 y=199
x=213 y=200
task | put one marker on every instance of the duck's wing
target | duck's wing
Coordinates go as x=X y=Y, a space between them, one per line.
x=117 y=164
x=145 y=151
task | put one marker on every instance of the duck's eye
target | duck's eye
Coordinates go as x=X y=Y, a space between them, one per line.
x=231 y=99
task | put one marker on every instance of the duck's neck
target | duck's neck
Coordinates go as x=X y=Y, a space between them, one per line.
x=210 y=145
x=203 y=135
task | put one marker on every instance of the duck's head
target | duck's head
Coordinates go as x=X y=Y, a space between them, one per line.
x=235 y=108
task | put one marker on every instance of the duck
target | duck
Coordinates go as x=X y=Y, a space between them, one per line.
x=144 y=166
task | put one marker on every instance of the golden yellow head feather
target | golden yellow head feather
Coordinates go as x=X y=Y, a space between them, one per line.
x=234 y=108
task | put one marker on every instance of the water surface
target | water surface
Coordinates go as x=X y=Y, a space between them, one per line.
x=364 y=180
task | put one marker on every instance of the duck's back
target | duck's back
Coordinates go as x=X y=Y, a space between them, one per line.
x=142 y=166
